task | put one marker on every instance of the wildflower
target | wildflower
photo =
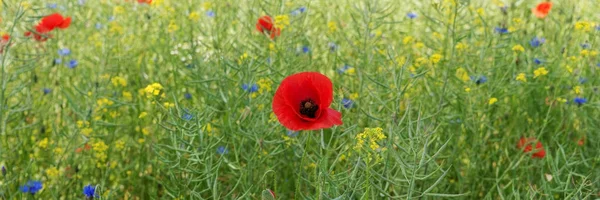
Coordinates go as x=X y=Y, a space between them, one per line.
x=153 y=89
x=194 y=16
x=52 y=172
x=461 y=46
x=347 y=103
x=521 y=77
x=3 y=170
x=305 y=49
x=172 y=27
x=537 y=61
x=526 y=145
x=291 y=133
x=72 y=64
x=542 y=9
x=31 y=187
x=222 y=150
x=298 y=11
x=411 y=15
x=250 y=88
x=116 y=81
x=492 y=101
x=579 y=100
x=585 y=45
x=281 y=21
x=51 y=5
x=518 y=48
x=501 y=30
x=43 y=143
x=536 y=42
x=435 y=58
x=407 y=39
x=46 y=91
x=346 y=69
x=265 y=25
x=47 y=24
x=597 y=27
x=302 y=102
x=145 y=1
x=583 y=26
x=540 y=72
x=210 y=13
x=577 y=90
x=64 y=52
x=332 y=46
x=582 y=80
x=479 y=79
x=332 y=26
x=187 y=116
x=462 y=74
x=90 y=192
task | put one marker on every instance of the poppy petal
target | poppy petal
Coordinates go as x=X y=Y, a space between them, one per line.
x=65 y=23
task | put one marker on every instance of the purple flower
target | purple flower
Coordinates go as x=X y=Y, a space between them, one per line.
x=210 y=13
x=537 y=61
x=73 y=63
x=90 y=192
x=411 y=15
x=347 y=103
x=47 y=91
x=501 y=30
x=222 y=150
x=536 y=42
x=64 y=52
x=305 y=49
x=31 y=187
x=250 y=88
x=579 y=100
x=187 y=96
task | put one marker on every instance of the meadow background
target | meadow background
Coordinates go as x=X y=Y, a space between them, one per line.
x=453 y=86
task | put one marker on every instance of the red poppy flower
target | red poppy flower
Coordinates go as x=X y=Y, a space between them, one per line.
x=54 y=21
x=526 y=145
x=302 y=102
x=542 y=9
x=145 y=1
x=3 y=42
x=265 y=25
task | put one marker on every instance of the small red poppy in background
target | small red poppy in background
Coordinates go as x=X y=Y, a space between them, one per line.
x=265 y=25
x=526 y=145
x=302 y=102
x=4 y=42
x=145 y=1
x=48 y=24
x=542 y=9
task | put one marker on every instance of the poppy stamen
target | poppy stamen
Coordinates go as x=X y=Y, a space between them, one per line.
x=308 y=108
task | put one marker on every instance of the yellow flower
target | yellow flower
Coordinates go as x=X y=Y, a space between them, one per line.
x=420 y=61
x=540 y=72
x=118 y=10
x=206 y=5
x=332 y=26
x=407 y=39
x=264 y=85
x=462 y=74
x=419 y=45
x=578 y=90
x=172 y=27
x=120 y=144
x=584 y=52
x=142 y=115
x=141 y=140
x=583 y=26
x=43 y=143
x=116 y=81
x=480 y=11
x=517 y=20
x=146 y=131
x=99 y=146
x=282 y=21
x=58 y=150
x=354 y=96
x=492 y=101
x=461 y=46
x=194 y=16
x=153 y=89
x=127 y=96
x=562 y=100
x=435 y=58
x=52 y=172
x=521 y=77
x=86 y=131
x=467 y=89
x=518 y=48
x=168 y=105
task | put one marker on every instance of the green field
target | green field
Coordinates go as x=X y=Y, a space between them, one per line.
x=181 y=99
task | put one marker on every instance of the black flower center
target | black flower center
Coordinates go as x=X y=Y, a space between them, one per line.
x=309 y=108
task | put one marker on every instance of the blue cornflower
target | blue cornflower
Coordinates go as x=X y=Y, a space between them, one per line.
x=51 y=5
x=57 y=61
x=210 y=13
x=302 y=9
x=343 y=69
x=31 y=187
x=582 y=80
x=111 y=18
x=90 y=192
x=47 y=91
x=98 y=26
x=187 y=116
x=536 y=42
x=221 y=150
x=73 y=63
x=598 y=65
x=250 y=88
x=187 y=96
x=347 y=103
x=598 y=28
x=332 y=46
x=291 y=133
x=479 y=79
x=305 y=49
x=579 y=100
x=501 y=30
x=585 y=45
x=537 y=61
x=3 y=170
x=64 y=52
x=411 y=15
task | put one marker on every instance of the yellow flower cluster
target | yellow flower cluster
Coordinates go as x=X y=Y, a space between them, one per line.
x=462 y=74
x=100 y=153
x=540 y=72
x=372 y=136
x=521 y=77
x=518 y=48
x=153 y=89
x=264 y=85
x=584 y=26
x=282 y=21
x=116 y=81
x=435 y=58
